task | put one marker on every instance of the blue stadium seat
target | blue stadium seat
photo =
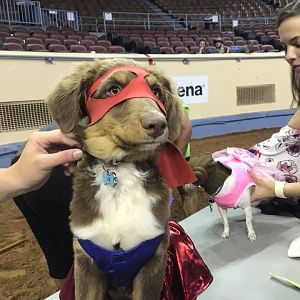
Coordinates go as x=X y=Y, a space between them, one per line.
x=210 y=50
x=238 y=49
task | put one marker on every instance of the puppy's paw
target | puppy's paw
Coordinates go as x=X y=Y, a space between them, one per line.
x=252 y=236
x=225 y=234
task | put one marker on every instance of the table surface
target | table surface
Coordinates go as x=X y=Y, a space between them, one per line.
x=241 y=268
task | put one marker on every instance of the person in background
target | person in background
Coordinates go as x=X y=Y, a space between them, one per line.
x=218 y=43
x=284 y=149
x=202 y=45
x=42 y=153
x=289 y=32
x=288 y=25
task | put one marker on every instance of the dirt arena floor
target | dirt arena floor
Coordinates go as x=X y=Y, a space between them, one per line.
x=23 y=271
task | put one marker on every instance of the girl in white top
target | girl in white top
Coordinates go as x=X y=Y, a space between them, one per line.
x=288 y=24
x=281 y=151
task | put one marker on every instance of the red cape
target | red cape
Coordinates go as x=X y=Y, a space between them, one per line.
x=186 y=277
x=173 y=167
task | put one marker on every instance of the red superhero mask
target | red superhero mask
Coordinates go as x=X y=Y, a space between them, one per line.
x=136 y=88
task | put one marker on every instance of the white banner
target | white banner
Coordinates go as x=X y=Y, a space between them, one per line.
x=192 y=89
x=108 y=16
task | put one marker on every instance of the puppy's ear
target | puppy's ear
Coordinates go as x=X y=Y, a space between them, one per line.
x=204 y=161
x=67 y=99
x=210 y=164
x=201 y=175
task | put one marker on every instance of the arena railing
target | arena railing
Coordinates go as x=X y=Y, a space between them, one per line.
x=117 y=20
x=60 y=18
x=90 y=24
x=20 y=12
x=30 y=13
x=250 y=21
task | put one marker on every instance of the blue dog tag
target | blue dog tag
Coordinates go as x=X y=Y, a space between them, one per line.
x=109 y=178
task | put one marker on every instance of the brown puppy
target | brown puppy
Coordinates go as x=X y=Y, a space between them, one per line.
x=120 y=200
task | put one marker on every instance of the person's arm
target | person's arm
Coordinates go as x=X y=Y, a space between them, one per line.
x=43 y=152
x=265 y=188
x=294 y=122
x=9 y=184
x=185 y=134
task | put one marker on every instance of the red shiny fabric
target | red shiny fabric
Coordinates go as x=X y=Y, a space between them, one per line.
x=186 y=276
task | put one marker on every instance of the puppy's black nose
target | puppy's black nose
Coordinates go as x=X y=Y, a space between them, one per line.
x=155 y=125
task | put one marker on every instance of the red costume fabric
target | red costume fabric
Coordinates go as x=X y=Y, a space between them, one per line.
x=173 y=167
x=186 y=276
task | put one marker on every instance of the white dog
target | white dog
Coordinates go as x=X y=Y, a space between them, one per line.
x=224 y=176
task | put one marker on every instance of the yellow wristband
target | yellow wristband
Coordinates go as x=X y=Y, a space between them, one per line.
x=279 y=185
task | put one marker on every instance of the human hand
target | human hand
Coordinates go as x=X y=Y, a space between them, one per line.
x=44 y=151
x=264 y=189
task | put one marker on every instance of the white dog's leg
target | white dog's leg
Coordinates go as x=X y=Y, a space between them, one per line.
x=251 y=232
x=223 y=213
x=246 y=205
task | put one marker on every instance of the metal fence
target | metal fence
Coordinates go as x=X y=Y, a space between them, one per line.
x=29 y=13
x=59 y=18
x=252 y=21
x=119 y=20
x=90 y=24
x=115 y=20
x=20 y=12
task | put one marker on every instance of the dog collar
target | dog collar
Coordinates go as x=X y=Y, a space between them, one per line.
x=136 y=88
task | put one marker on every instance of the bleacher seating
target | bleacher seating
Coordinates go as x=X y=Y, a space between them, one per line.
x=12 y=47
x=78 y=48
x=146 y=41
x=35 y=47
x=225 y=8
x=153 y=40
x=97 y=49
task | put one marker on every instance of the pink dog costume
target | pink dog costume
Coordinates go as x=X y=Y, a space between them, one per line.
x=242 y=181
x=239 y=161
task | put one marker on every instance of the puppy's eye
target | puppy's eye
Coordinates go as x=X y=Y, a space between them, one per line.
x=156 y=91
x=114 y=90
